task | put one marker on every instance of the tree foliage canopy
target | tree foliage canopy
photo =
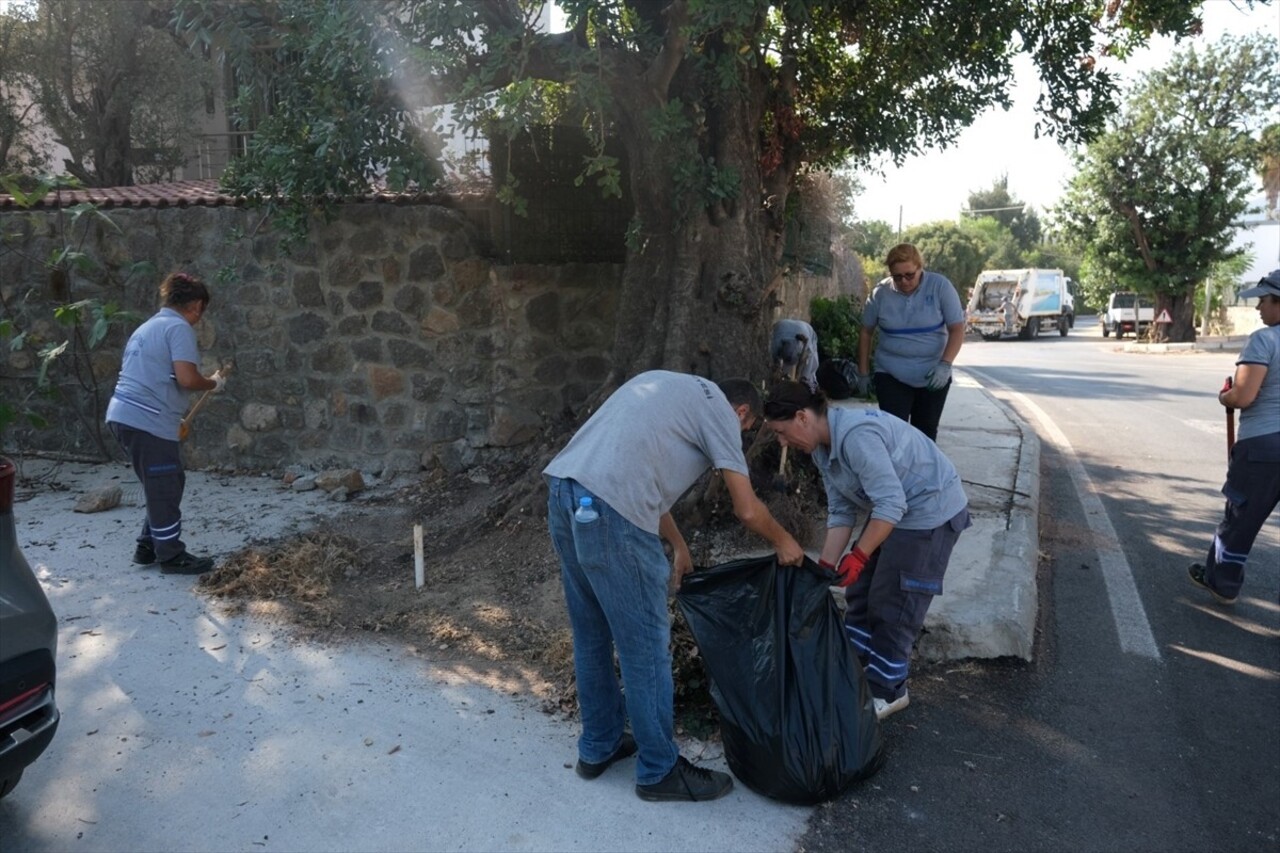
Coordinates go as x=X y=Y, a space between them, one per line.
x=109 y=81
x=829 y=81
x=1156 y=199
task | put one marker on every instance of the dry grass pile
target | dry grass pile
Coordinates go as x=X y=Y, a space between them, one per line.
x=302 y=569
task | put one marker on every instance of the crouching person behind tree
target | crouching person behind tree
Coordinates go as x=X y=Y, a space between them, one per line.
x=632 y=460
x=794 y=346
x=916 y=509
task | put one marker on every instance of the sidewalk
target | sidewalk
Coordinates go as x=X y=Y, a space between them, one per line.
x=988 y=607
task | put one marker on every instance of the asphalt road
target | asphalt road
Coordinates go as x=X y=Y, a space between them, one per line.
x=1148 y=719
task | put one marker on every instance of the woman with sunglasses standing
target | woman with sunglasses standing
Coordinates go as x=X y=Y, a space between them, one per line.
x=921 y=325
x=915 y=507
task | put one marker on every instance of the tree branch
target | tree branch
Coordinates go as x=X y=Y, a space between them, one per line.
x=549 y=57
x=675 y=40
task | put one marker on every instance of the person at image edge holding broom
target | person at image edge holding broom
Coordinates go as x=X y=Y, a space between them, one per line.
x=1253 y=473
x=641 y=450
x=157 y=373
x=916 y=505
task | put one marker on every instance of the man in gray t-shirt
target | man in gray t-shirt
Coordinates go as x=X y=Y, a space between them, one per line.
x=1253 y=473
x=157 y=373
x=630 y=462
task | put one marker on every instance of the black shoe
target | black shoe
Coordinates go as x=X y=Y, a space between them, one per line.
x=144 y=554
x=1196 y=573
x=688 y=783
x=185 y=564
x=626 y=747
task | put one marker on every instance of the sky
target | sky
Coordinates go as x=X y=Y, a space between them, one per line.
x=936 y=185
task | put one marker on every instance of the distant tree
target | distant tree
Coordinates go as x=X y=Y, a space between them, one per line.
x=20 y=149
x=1019 y=218
x=1269 y=167
x=1000 y=248
x=871 y=238
x=951 y=250
x=1156 y=198
x=114 y=85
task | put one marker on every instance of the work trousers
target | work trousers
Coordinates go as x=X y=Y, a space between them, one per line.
x=615 y=586
x=886 y=606
x=919 y=407
x=157 y=463
x=1252 y=491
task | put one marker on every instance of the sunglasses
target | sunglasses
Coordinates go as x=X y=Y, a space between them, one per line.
x=903 y=276
x=777 y=410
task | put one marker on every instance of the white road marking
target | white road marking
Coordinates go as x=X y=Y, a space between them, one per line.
x=1127 y=611
x=1211 y=427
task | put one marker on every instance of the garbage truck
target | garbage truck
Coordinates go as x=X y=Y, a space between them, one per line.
x=1020 y=303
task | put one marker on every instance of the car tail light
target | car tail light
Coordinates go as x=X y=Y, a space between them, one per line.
x=7 y=472
x=13 y=706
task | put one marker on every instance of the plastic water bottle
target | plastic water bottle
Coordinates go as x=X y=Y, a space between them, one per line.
x=585 y=513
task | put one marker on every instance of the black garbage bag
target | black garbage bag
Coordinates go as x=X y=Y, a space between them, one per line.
x=838 y=378
x=797 y=718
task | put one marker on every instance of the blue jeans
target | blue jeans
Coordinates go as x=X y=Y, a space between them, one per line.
x=615 y=585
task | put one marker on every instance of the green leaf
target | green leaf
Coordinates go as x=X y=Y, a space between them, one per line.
x=48 y=354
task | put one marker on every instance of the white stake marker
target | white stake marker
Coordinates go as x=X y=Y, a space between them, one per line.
x=417 y=556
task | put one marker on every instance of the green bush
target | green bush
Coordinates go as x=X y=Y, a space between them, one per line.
x=837 y=323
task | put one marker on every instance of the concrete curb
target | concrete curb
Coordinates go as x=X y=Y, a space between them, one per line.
x=990 y=608
x=1020 y=553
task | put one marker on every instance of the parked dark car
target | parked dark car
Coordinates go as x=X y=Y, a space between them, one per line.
x=28 y=650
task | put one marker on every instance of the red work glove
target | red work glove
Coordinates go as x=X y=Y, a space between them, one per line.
x=851 y=565
x=1227 y=385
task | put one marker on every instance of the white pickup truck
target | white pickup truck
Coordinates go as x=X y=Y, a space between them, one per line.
x=1020 y=302
x=1127 y=312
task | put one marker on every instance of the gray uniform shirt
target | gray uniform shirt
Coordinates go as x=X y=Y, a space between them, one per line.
x=1263 y=417
x=147 y=396
x=913 y=328
x=650 y=441
x=880 y=463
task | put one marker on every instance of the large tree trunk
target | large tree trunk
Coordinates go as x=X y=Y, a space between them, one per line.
x=1183 y=313
x=697 y=286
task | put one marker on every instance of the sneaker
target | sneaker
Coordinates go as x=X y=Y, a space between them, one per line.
x=885 y=708
x=1196 y=572
x=687 y=783
x=144 y=554
x=626 y=747
x=185 y=564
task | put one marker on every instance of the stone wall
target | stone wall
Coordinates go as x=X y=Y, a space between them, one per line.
x=387 y=342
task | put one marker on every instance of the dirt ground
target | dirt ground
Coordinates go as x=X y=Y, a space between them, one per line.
x=492 y=600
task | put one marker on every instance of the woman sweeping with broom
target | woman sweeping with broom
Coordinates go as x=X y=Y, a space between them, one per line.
x=916 y=509
x=158 y=371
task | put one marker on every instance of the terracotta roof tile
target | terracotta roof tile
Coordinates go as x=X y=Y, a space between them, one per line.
x=203 y=193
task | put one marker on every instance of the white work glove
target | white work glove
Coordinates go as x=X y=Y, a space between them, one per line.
x=218 y=378
x=861 y=383
x=939 y=377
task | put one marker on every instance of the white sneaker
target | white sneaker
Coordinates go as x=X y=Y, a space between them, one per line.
x=884 y=707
